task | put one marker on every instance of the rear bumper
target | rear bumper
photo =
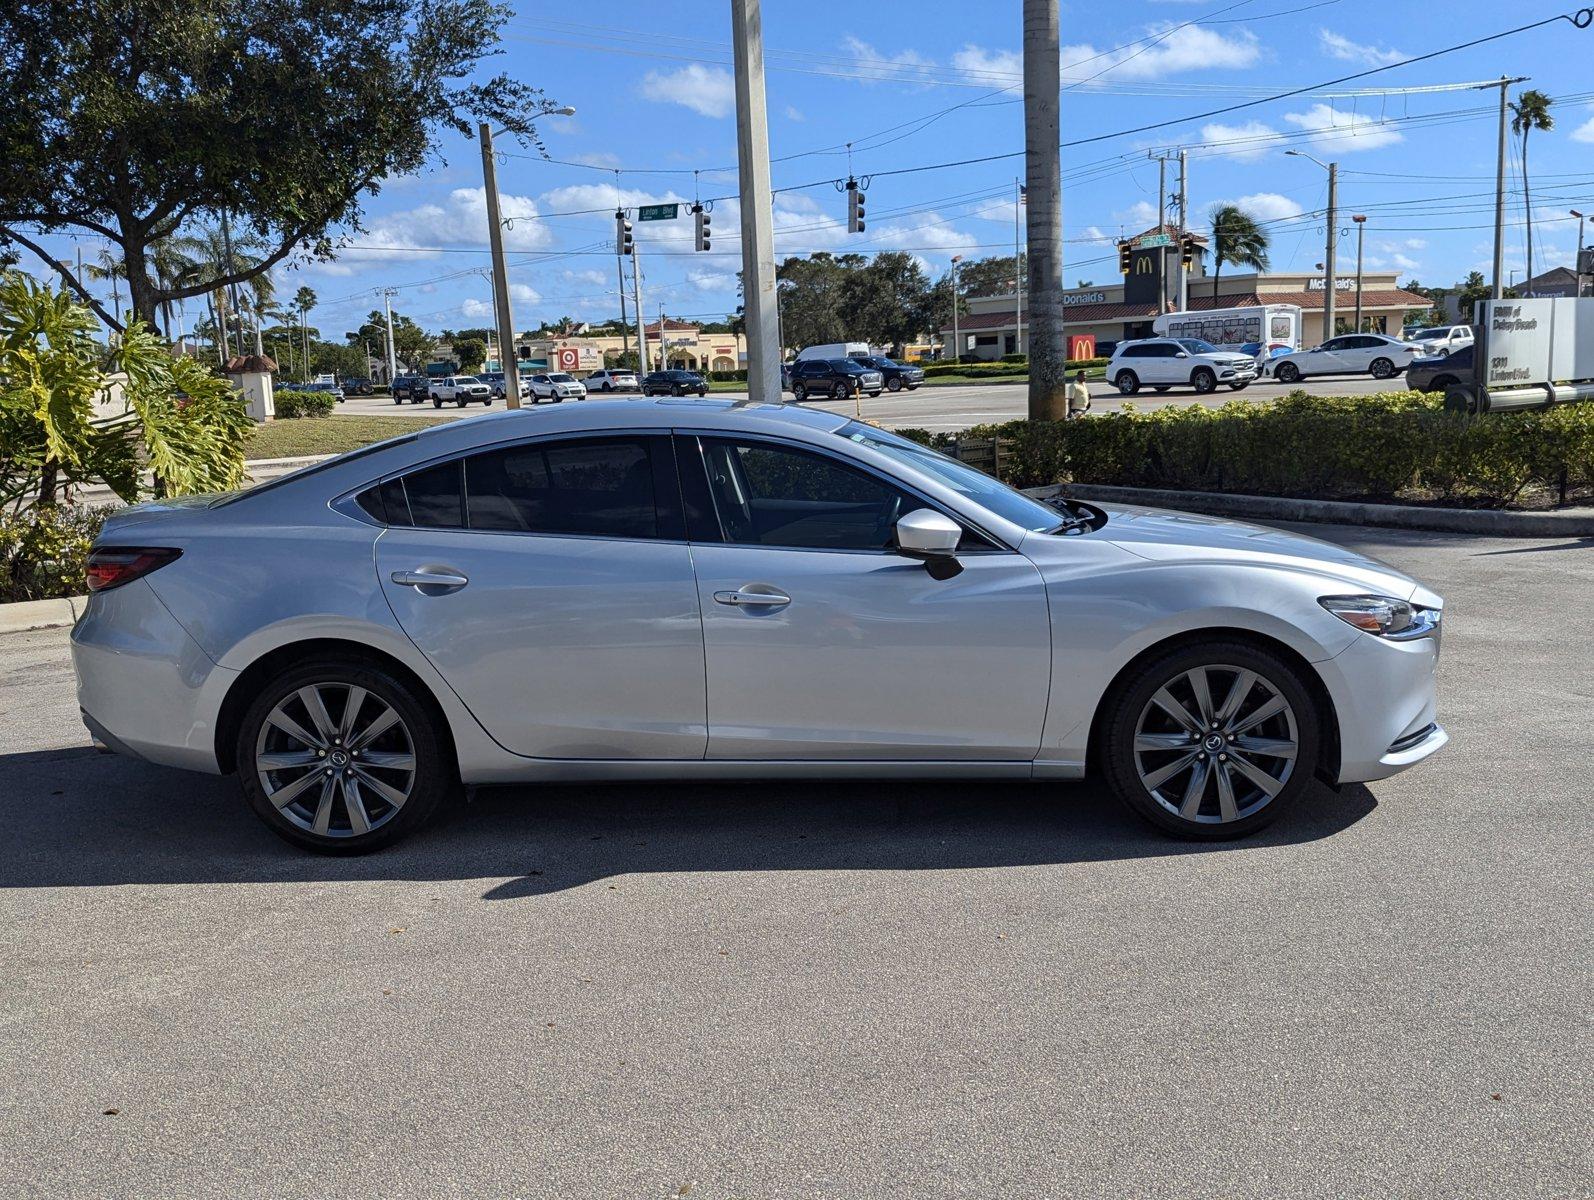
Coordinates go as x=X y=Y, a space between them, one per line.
x=144 y=686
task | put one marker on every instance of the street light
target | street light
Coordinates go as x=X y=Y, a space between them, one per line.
x=957 y=352
x=495 y=236
x=1361 y=226
x=1333 y=238
x=1577 y=263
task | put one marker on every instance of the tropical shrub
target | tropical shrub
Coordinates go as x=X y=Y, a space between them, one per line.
x=292 y=405
x=43 y=551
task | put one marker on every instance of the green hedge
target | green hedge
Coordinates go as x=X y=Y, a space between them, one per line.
x=292 y=405
x=1387 y=446
x=993 y=370
x=43 y=551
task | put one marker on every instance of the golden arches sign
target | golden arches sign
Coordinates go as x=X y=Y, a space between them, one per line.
x=1143 y=265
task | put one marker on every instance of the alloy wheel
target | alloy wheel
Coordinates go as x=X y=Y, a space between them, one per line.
x=1216 y=744
x=335 y=759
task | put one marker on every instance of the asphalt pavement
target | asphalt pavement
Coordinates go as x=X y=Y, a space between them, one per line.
x=949 y=408
x=824 y=989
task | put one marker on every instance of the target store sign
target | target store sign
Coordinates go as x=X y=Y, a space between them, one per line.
x=568 y=358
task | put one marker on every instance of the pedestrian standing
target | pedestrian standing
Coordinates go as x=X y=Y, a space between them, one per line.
x=1078 y=397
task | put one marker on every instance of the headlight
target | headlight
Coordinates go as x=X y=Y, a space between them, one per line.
x=1383 y=616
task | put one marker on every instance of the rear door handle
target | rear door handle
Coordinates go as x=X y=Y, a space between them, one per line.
x=442 y=579
x=746 y=599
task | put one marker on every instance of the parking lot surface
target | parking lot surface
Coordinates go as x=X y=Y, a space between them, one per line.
x=825 y=990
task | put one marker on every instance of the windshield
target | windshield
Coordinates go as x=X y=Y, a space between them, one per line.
x=561 y=377
x=848 y=366
x=1428 y=335
x=979 y=487
x=1197 y=346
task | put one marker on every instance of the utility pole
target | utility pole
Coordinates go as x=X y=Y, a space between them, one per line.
x=1044 y=211
x=636 y=302
x=495 y=237
x=625 y=330
x=957 y=346
x=1184 y=223
x=1499 y=189
x=1577 y=263
x=1361 y=228
x=1329 y=280
x=759 y=296
x=392 y=360
x=1018 y=272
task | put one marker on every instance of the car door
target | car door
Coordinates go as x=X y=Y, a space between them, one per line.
x=1327 y=359
x=550 y=583
x=1360 y=350
x=822 y=643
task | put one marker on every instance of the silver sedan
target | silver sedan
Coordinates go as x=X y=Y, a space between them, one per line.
x=670 y=589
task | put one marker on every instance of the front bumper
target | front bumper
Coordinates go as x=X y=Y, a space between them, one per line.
x=1384 y=697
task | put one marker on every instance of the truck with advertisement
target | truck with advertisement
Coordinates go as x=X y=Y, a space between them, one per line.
x=1529 y=354
x=1266 y=326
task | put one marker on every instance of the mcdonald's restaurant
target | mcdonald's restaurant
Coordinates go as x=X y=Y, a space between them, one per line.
x=992 y=326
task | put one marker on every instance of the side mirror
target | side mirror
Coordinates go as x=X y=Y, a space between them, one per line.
x=926 y=535
x=1181 y=354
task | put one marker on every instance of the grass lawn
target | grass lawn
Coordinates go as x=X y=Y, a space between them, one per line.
x=328 y=435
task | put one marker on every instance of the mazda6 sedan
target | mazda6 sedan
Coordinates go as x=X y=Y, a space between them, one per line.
x=703 y=590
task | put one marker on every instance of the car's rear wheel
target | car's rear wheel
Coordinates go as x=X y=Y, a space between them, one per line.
x=342 y=757
x=436 y=403
x=1203 y=380
x=1288 y=373
x=1127 y=383
x=799 y=392
x=1441 y=383
x=1211 y=741
x=1382 y=368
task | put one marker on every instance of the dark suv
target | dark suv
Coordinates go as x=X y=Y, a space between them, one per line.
x=414 y=388
x=897 y=375
x=837 y=378
x=674 y=383
x=1442 y=371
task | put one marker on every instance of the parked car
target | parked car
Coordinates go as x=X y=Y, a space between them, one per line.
x=460 y=390
x=1438 y=373
x=320 y=386
x=557 y=386
x=762 y=591
x=411 y=388
x=1166 y=363
x=674 y=383
x=1263 y=354
x=1440 y=339
x=1373 y=354
x=357 y=387
x=897 y=375
x=498 y=381
x=612 y=379
x=836 y=378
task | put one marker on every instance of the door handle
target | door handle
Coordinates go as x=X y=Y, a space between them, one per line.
x=441 y=578
x=746 y=599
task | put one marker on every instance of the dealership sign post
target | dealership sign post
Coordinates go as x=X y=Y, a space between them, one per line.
x=1531 y=353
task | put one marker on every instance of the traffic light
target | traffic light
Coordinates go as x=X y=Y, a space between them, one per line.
x=700 y=224
x=854 y=207
x=1123 y=258
x=622 y=233
x=1186 y=251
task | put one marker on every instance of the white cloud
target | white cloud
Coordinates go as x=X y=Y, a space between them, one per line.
x=1268 y=206
x=477 y=309
x=1141 y=214
x=709 y=91
x=793 y=113
x=1344 y=131
x=1584 y=132
x=1248 y=141
x=1192 y=48
x=1338 y=46
x=524 y=293
x=461 y=219
x=996 y=67
x=908 y=66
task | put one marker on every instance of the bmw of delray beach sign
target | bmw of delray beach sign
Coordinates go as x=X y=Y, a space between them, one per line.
x=1534 y=352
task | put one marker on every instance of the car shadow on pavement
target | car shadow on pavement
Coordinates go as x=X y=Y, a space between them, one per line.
x=75 y=818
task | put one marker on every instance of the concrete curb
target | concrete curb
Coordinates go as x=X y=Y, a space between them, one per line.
x=40 y=614
x=1569 y=523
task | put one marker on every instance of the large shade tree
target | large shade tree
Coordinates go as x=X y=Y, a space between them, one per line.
x=130 y=119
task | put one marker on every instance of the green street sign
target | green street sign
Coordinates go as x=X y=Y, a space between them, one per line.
x=658 y=212
x=1147 y=240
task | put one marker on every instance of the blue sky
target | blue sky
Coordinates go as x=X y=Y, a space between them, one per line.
x=930 y=81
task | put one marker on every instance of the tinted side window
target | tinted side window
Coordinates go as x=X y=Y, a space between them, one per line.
x=604 y=487
x=433 y=496
x=771 y=495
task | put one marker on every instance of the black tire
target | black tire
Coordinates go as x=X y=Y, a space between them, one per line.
x=608 y=387
x=1239 y=387
x=1204 y=380
x=436 y=403
x=799 y=392
x=677 y=390
x=702 y=393
x=1443 y=383
x=1382 y=368
x=461 y=402
x=1131 y=696
x=839 y=391
x=894 y=384
x=874 y=395
x=435 y=775
x=1127 y=383
x=1162 y=387
x=396 y=400
x=1287 y=373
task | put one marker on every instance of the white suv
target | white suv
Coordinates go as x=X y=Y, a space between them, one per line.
x=557 y=386
x=1440 y=339
x=1163 y=363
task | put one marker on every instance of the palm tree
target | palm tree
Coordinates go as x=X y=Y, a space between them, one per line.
x=1530 y=111
x=1238 y=239
x=304 y=300
x=205 y=253
x=112 y=268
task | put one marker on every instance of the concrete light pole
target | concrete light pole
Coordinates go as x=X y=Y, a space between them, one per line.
x=957 y=345
x=392 y=357
x=1044 y=210
x=1499 y=189
x=760 y=299
x=1361 y=226
x=495 y=237
x=1577 y=263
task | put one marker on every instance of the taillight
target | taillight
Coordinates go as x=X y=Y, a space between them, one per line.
x=112 y=566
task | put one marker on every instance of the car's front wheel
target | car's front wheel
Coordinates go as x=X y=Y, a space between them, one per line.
x=1287 y=373
x=1210 y=741
x=894 y=384
x=1203 y=380
x=342 y=757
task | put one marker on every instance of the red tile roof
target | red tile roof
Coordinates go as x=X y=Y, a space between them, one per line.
x=1090 y=314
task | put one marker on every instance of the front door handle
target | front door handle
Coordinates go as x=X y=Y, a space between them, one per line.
x=742 y=598
x=432 y=581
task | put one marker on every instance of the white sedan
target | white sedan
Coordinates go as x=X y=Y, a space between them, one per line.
x=1349 y=354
